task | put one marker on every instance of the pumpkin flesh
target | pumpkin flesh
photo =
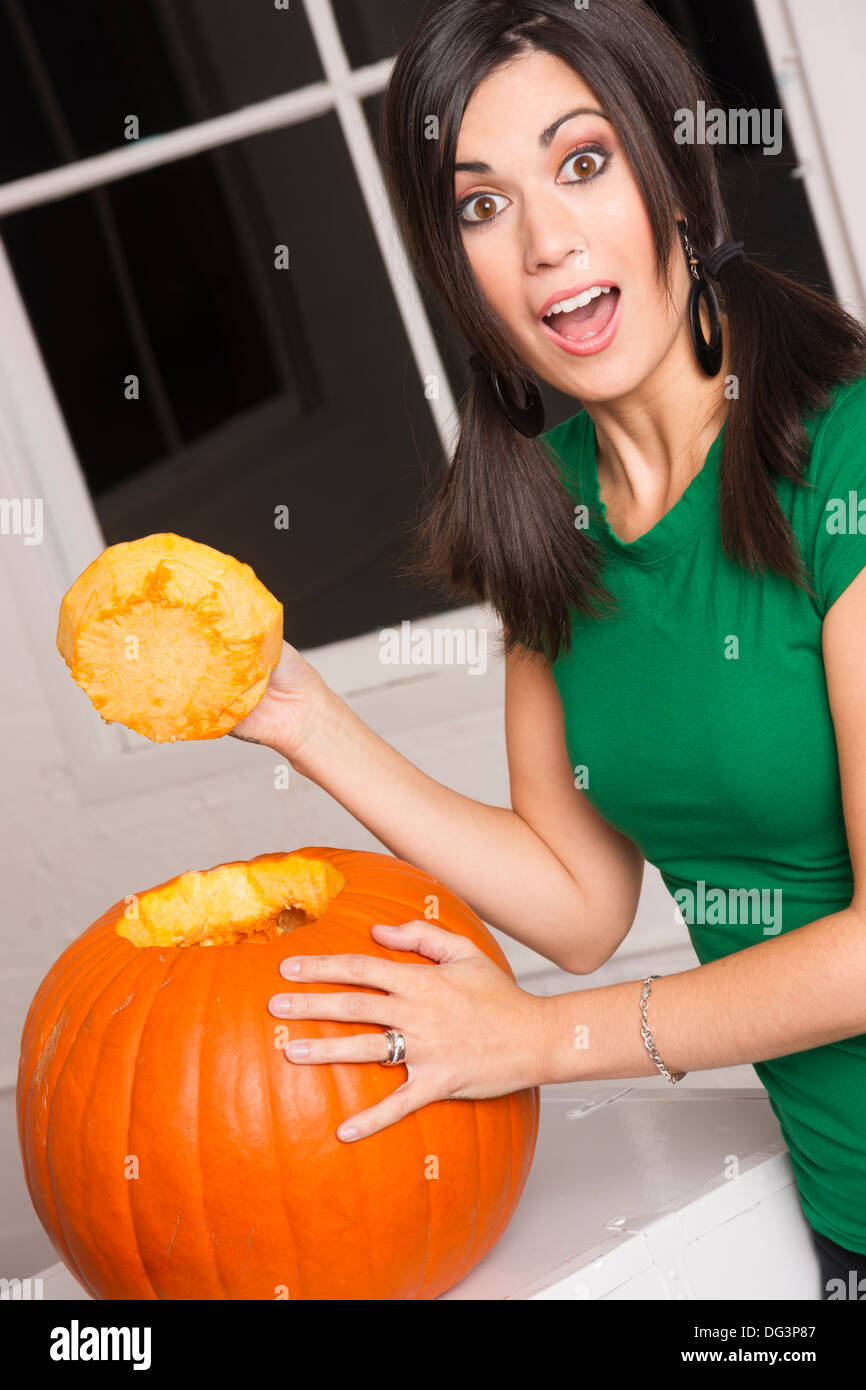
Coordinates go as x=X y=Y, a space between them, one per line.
x=221 y=906
x=169 y=637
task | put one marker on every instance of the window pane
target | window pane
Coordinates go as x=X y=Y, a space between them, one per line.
x=768 y=207
x=259 y=387
x=373 y=31
x=71 y=74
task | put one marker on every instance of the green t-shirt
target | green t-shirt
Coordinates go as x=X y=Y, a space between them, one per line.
x=697 y=723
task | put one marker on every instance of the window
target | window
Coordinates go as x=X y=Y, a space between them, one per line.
x=207 y=323
x=73 y=73
x=217 y=318
x=204 y=387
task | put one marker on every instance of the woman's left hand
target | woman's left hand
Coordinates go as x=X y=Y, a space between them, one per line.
x=470 y=1031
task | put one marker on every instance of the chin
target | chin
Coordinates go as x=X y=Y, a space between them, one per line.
x=595 y=381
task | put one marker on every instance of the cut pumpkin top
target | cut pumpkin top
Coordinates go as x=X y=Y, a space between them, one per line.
x=258 y=900
x=170 y=637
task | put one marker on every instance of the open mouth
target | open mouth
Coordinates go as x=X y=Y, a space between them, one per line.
x=584 y=321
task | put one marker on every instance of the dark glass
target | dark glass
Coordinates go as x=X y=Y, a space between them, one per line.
x=452 y=349
x=374 y=29
x=768 y=206
x=73 y=71
x=259 y=387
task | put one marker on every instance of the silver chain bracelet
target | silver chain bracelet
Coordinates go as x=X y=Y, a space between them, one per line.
x=648 y=1037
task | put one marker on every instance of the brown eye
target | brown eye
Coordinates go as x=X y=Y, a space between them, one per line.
x=482 y=208
x=587 y=163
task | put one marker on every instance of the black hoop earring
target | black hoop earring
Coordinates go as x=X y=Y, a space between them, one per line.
x=709 y=354
x=527 y=418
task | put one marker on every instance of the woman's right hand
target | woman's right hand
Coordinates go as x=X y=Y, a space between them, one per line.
x=287 y=709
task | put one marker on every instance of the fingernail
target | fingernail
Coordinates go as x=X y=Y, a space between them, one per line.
x=291 y=967
x=298 y=1049
x=347 y=1132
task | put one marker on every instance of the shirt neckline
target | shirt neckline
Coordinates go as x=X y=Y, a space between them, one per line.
x=679 y=525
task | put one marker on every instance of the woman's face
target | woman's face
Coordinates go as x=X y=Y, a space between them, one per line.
x=558 y=213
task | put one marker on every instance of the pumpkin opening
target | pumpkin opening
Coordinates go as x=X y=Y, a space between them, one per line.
x=232 y=903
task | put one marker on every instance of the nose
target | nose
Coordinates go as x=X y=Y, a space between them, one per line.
x=551 y=234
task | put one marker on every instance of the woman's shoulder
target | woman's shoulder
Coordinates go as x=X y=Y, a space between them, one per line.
x=842 y=418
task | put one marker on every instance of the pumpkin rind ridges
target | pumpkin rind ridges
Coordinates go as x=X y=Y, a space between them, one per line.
x=262 y=1129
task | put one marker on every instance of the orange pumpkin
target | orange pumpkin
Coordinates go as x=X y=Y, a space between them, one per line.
x=170 y=637
x=173 y=1152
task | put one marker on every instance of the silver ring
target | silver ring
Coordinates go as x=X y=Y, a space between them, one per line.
x=396 y=1048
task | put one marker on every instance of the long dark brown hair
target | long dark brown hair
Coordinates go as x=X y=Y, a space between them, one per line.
x=501 y=529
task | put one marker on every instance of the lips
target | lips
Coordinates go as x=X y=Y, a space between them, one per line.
x=571 y=291
x=588 y=330
x=592 y=317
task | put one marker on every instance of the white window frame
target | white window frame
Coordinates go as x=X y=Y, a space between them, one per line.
x=38 y=459
x=789 y=29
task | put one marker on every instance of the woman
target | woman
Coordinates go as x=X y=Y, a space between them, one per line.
x=679 y=570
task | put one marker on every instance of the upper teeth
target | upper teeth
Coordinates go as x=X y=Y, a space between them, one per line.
x=565 y=306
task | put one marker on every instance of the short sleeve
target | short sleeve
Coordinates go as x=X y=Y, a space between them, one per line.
x=837 y=508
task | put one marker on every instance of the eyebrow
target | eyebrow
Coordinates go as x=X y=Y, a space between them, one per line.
x=477 y=166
